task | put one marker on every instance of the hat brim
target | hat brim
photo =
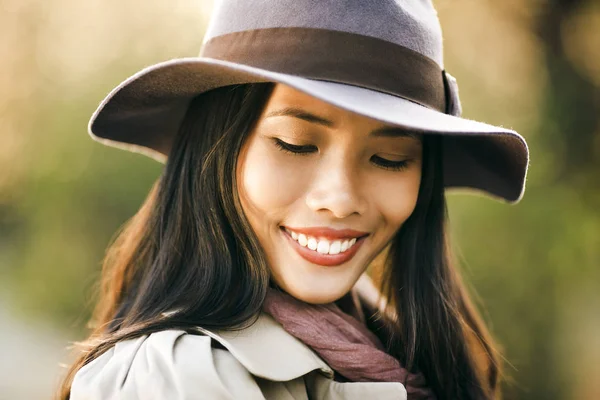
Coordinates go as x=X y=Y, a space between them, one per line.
x=145 y=111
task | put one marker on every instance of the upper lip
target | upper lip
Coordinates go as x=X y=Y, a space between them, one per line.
x=328 y=233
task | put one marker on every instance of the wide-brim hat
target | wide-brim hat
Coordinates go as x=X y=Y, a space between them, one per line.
x=379 y=58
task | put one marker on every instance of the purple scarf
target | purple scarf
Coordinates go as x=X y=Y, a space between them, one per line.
x=345 y=344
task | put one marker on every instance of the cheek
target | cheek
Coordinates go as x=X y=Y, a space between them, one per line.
x=395 y=199
x=268 y=183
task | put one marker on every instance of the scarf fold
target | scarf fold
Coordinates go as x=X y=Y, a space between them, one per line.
x=343 y=342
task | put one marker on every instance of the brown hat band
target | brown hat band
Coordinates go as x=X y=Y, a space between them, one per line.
x=339 y=57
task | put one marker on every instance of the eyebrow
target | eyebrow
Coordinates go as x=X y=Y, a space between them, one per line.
x=316 y=119
x=301 y=114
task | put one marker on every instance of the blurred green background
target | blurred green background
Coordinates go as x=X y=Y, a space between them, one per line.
x=532 y=65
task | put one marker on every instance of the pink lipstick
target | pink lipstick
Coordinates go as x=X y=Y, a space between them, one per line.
x=355 y=238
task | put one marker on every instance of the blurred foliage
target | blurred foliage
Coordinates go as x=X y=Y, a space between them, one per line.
x=531 y=65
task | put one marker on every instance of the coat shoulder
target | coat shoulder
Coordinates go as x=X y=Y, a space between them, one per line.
x=170 y=364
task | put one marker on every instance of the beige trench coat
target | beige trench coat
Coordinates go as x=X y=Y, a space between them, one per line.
x=259 y=362
x=262 y=361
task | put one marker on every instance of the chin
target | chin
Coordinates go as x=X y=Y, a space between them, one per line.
x=314 y=295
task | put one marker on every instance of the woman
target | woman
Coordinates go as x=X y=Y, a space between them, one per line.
x=309 y=141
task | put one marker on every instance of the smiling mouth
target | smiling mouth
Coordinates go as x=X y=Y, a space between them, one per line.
x=321 y=245
x=321 y=251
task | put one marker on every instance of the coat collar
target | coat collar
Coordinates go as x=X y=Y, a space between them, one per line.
x=266 y=350
x=270 y=352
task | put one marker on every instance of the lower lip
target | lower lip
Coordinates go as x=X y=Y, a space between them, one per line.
x=327 y=260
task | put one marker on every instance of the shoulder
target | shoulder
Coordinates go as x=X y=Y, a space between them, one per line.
x=169 y=364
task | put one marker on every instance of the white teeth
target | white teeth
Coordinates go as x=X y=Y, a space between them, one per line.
x=344 y=245
x=335 y=247
x=302 y=240
x=322 y=246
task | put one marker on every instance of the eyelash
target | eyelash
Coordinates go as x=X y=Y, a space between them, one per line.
x=303 y=150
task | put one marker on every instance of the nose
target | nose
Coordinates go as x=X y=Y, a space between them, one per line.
x=336 y=188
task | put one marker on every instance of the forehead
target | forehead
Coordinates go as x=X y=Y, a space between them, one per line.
x=287 y=97
x=287 y=101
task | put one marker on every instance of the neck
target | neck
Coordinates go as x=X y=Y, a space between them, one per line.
x=352 y=305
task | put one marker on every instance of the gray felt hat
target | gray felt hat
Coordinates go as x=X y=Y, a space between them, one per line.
x=379 y=58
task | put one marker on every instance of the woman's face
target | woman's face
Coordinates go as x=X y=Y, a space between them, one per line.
x=324 y=190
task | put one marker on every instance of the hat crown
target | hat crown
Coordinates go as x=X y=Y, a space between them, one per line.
x=413 y=24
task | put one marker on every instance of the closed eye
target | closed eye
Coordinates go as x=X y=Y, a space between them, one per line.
x=291 y=148
x=308 y=149
x=390 y=165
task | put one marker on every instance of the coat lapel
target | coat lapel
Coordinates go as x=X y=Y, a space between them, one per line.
x=268 y=351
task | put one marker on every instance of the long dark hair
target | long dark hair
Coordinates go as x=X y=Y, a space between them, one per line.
x=435 y=327
x=190 y=258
